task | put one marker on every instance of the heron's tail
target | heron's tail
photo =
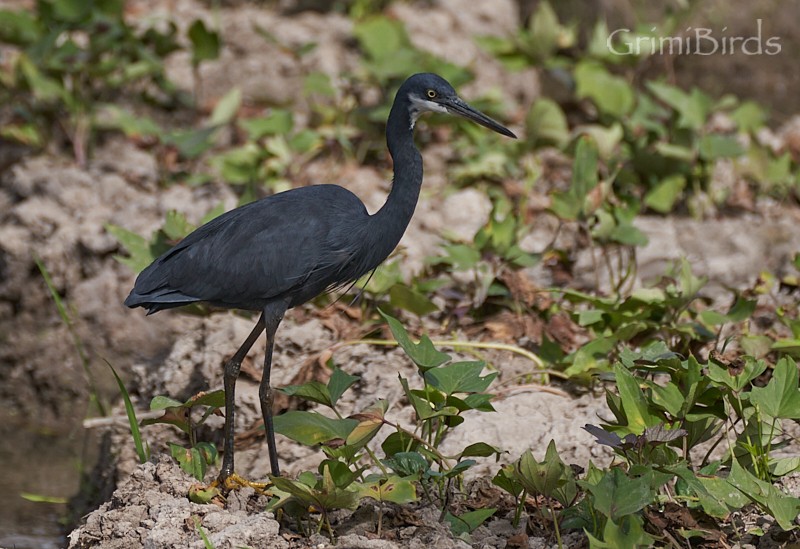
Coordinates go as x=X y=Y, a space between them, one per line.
x=156 y=300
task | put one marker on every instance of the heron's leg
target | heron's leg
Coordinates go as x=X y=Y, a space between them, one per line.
x=232 y=368
x=273 y=314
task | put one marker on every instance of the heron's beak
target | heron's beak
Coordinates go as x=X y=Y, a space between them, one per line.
x=460 y=107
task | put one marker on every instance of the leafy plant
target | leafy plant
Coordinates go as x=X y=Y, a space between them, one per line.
x=71 y=56
x=195 y=458
x=449 y=389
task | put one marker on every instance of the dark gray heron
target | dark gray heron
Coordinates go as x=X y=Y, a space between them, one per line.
x=281 y=251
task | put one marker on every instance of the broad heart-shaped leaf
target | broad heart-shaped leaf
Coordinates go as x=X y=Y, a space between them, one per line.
x=480 y=449
x=505 y=479
x=547 y=122
x=569 y=205
x=311 y=428
x=205 y=43
x=424 y=354
x=752 y=369
x=612 y=94
x=407 y=464
x=781 y=397
x=393 y=489
x=466 y=523
x=370 y=422
x=324 y=495
x=311 y=390
x=783 y=507
x=138 y=247
x=626 y=532
x=663 y=195
x=713 y=494
x=190 y=460
x=460 y=377
x=161 y=402
x=173 y=415
x=617 y=495
x=339 y=383
x=226 y=108
x=214 y=399
x=398 y=443
x=409 y=299
x=540 y=478
x=633 y=401
x=424 y=408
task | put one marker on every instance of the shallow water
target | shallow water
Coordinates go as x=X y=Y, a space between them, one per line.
x=46 y=462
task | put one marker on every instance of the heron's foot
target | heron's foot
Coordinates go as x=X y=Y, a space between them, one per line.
x=235 y=482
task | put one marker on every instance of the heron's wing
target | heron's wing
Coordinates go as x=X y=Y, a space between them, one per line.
x=281 y=245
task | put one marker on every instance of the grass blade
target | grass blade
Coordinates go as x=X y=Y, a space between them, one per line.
x=144 y=454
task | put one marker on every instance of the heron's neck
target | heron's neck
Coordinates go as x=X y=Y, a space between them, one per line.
x=393 y=218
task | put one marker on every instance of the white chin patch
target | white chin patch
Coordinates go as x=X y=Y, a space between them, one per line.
x=420 y=106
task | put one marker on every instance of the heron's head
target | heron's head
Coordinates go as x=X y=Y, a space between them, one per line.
x=429 y=92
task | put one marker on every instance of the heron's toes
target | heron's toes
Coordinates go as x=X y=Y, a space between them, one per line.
x=236 y=482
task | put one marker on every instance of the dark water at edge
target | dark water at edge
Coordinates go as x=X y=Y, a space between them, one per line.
x=44 y=461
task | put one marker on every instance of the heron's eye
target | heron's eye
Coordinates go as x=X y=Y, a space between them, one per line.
x=432 y=94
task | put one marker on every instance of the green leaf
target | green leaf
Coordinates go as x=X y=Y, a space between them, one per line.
x=633 y=401
x=370 y=422
x=570 y=205
x=322 y=494
x=407 y=464
x=205 y=42
x=467 y=522
x=408 y=299
x=715 y=146
x=546 y=123
x=311 y=428
x=749 y=116
x=460 y=377
x=161 y=402
x=392 y=489
x=693 y=108
x=319 y=83
x=789 y=346
x=783 y=507
x=663 y=196
x=226 y=108
x=781 y=397
x=460 y=256
x=714 y=494
x=279 y=122
x=19 y=27
x=176 y=226
x=312 y=390
x=424 y=354
x=191 y=143
x=479 y=449
x=202 y=494
x=617 y=495
x=505 y=480
x=44 y=88
x=625 y=532
x=752 y=369
x=540 y=478
x=380 y=37
x=544 y=30
x=142 y=452
x=612 y=94
x=190 y=460
x=606 y=138
x=339 y=383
